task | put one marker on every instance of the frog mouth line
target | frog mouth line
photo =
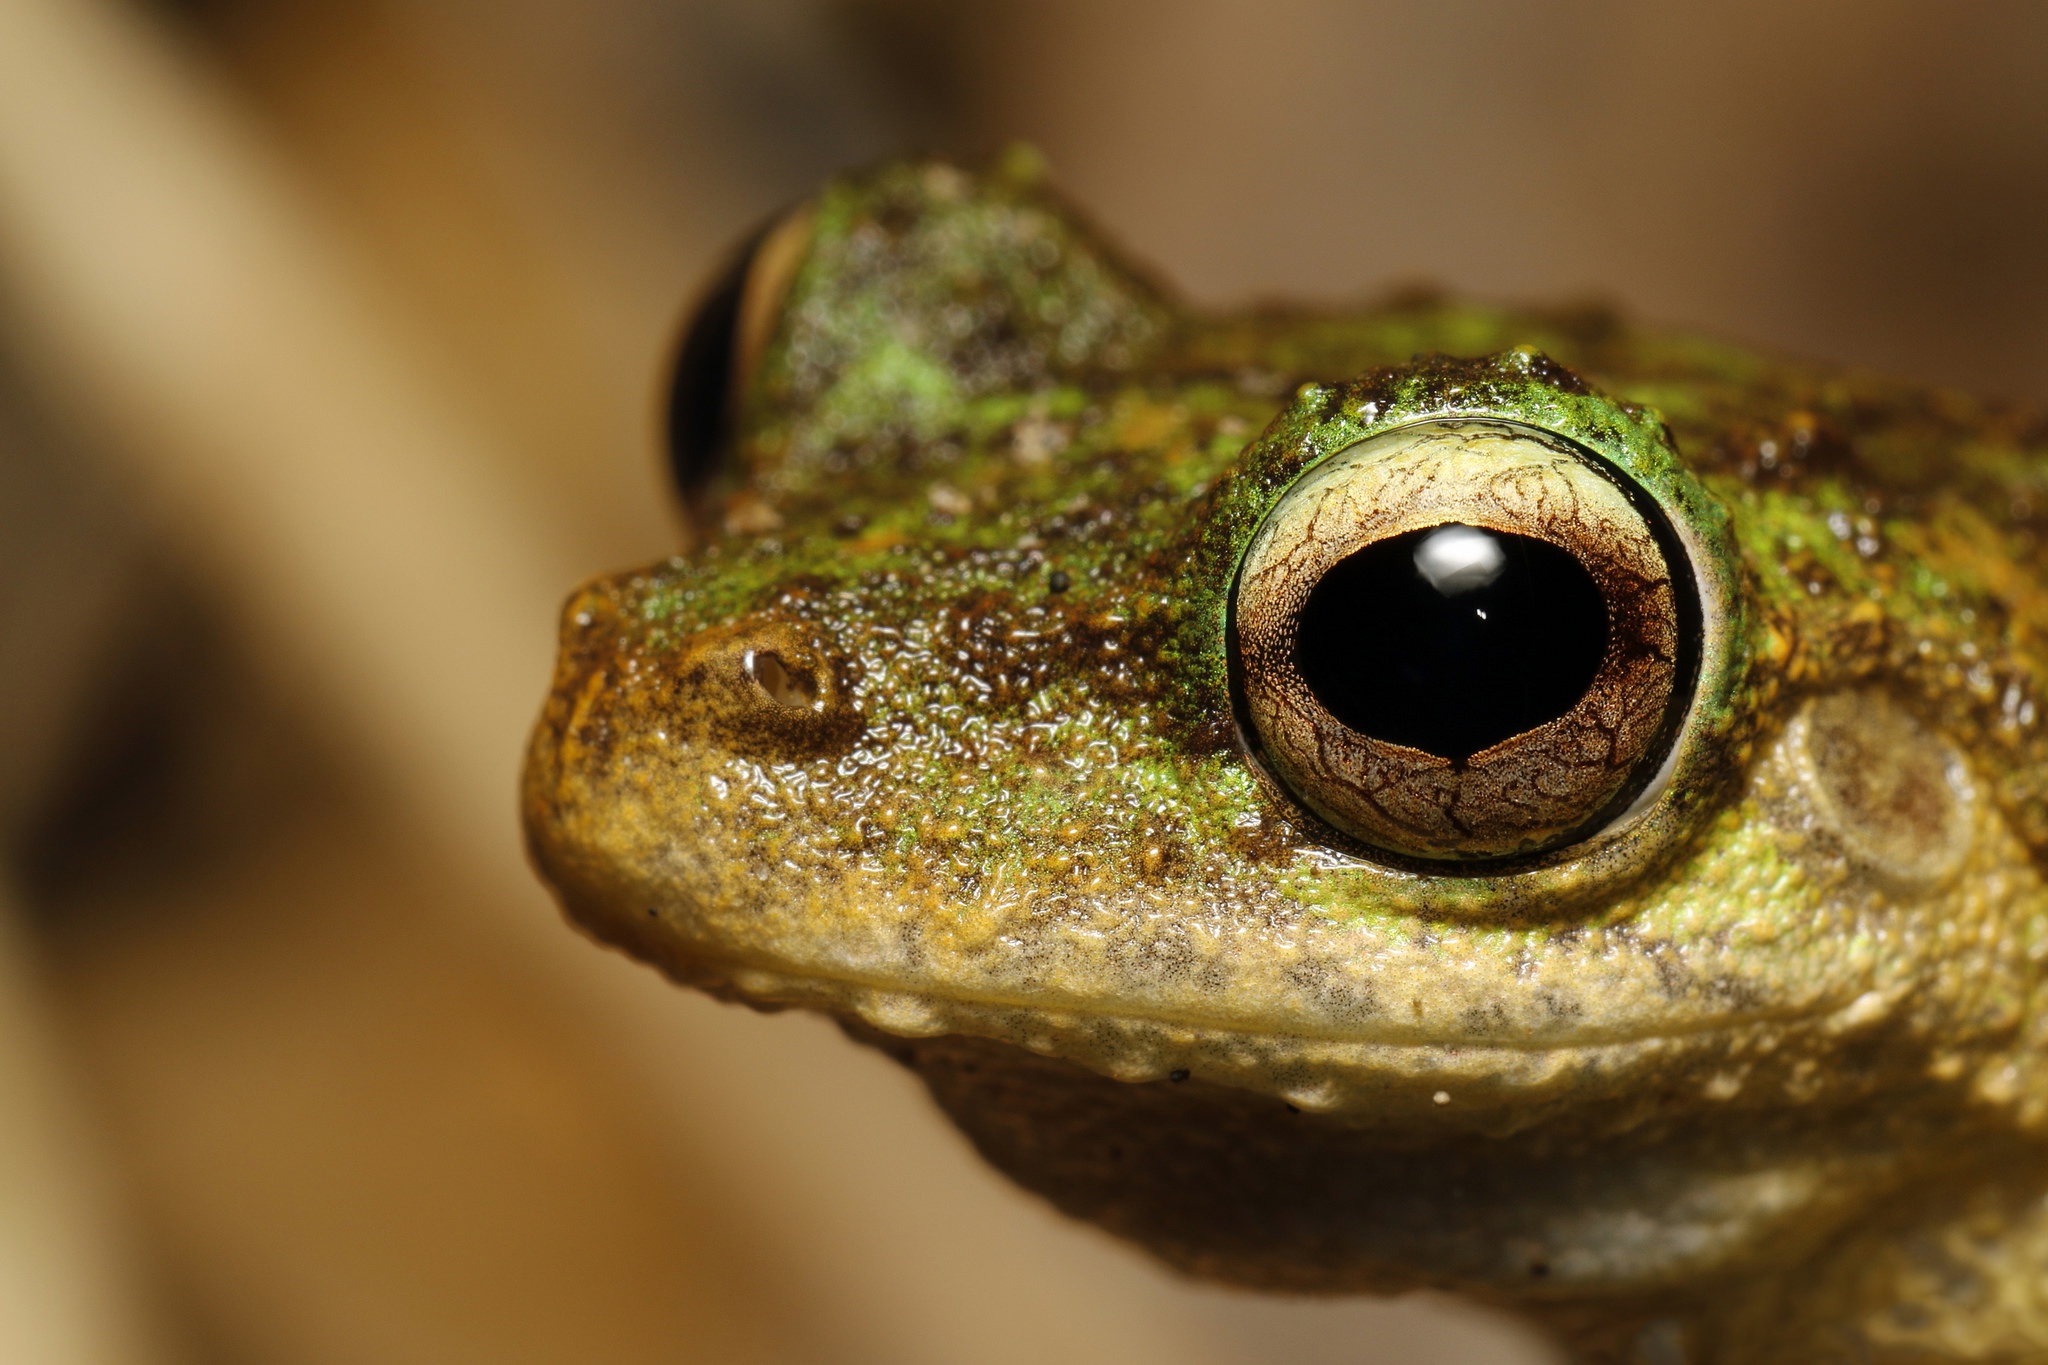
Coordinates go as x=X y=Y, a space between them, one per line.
x=1314 y=1072
x=912 y=1011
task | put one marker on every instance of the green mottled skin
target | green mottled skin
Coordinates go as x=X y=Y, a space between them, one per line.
x=1018 y=838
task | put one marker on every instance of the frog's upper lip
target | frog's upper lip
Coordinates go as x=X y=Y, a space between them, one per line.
x=1499 y=1081
x=908 y=999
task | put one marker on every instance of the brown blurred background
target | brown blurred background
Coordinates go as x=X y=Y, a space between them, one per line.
x=329 y=340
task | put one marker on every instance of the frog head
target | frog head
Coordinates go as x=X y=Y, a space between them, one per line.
x=1430 y=794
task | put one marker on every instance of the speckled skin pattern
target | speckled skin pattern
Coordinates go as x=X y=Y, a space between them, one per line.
x=1756 y=1076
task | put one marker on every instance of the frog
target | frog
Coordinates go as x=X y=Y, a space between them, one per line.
x=1428 y=795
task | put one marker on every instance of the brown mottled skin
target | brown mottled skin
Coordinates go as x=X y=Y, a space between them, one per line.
x=936 y=732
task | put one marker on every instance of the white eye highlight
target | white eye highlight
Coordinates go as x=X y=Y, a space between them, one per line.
x=1460 y=559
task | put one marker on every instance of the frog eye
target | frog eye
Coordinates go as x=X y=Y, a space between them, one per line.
x=1465 y=640
x=722 y=346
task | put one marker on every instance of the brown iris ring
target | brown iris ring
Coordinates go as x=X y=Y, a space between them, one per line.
x=1531 y=792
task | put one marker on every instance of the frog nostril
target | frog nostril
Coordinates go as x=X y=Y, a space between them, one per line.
x=762 y=689
x=795 y=688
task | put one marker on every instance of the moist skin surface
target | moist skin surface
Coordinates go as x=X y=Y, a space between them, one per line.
x=946 y=727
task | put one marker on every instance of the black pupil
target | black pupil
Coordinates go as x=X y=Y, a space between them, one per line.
x=1452 y=638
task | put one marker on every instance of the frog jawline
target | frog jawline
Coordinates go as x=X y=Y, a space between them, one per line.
x=1449 y=1081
